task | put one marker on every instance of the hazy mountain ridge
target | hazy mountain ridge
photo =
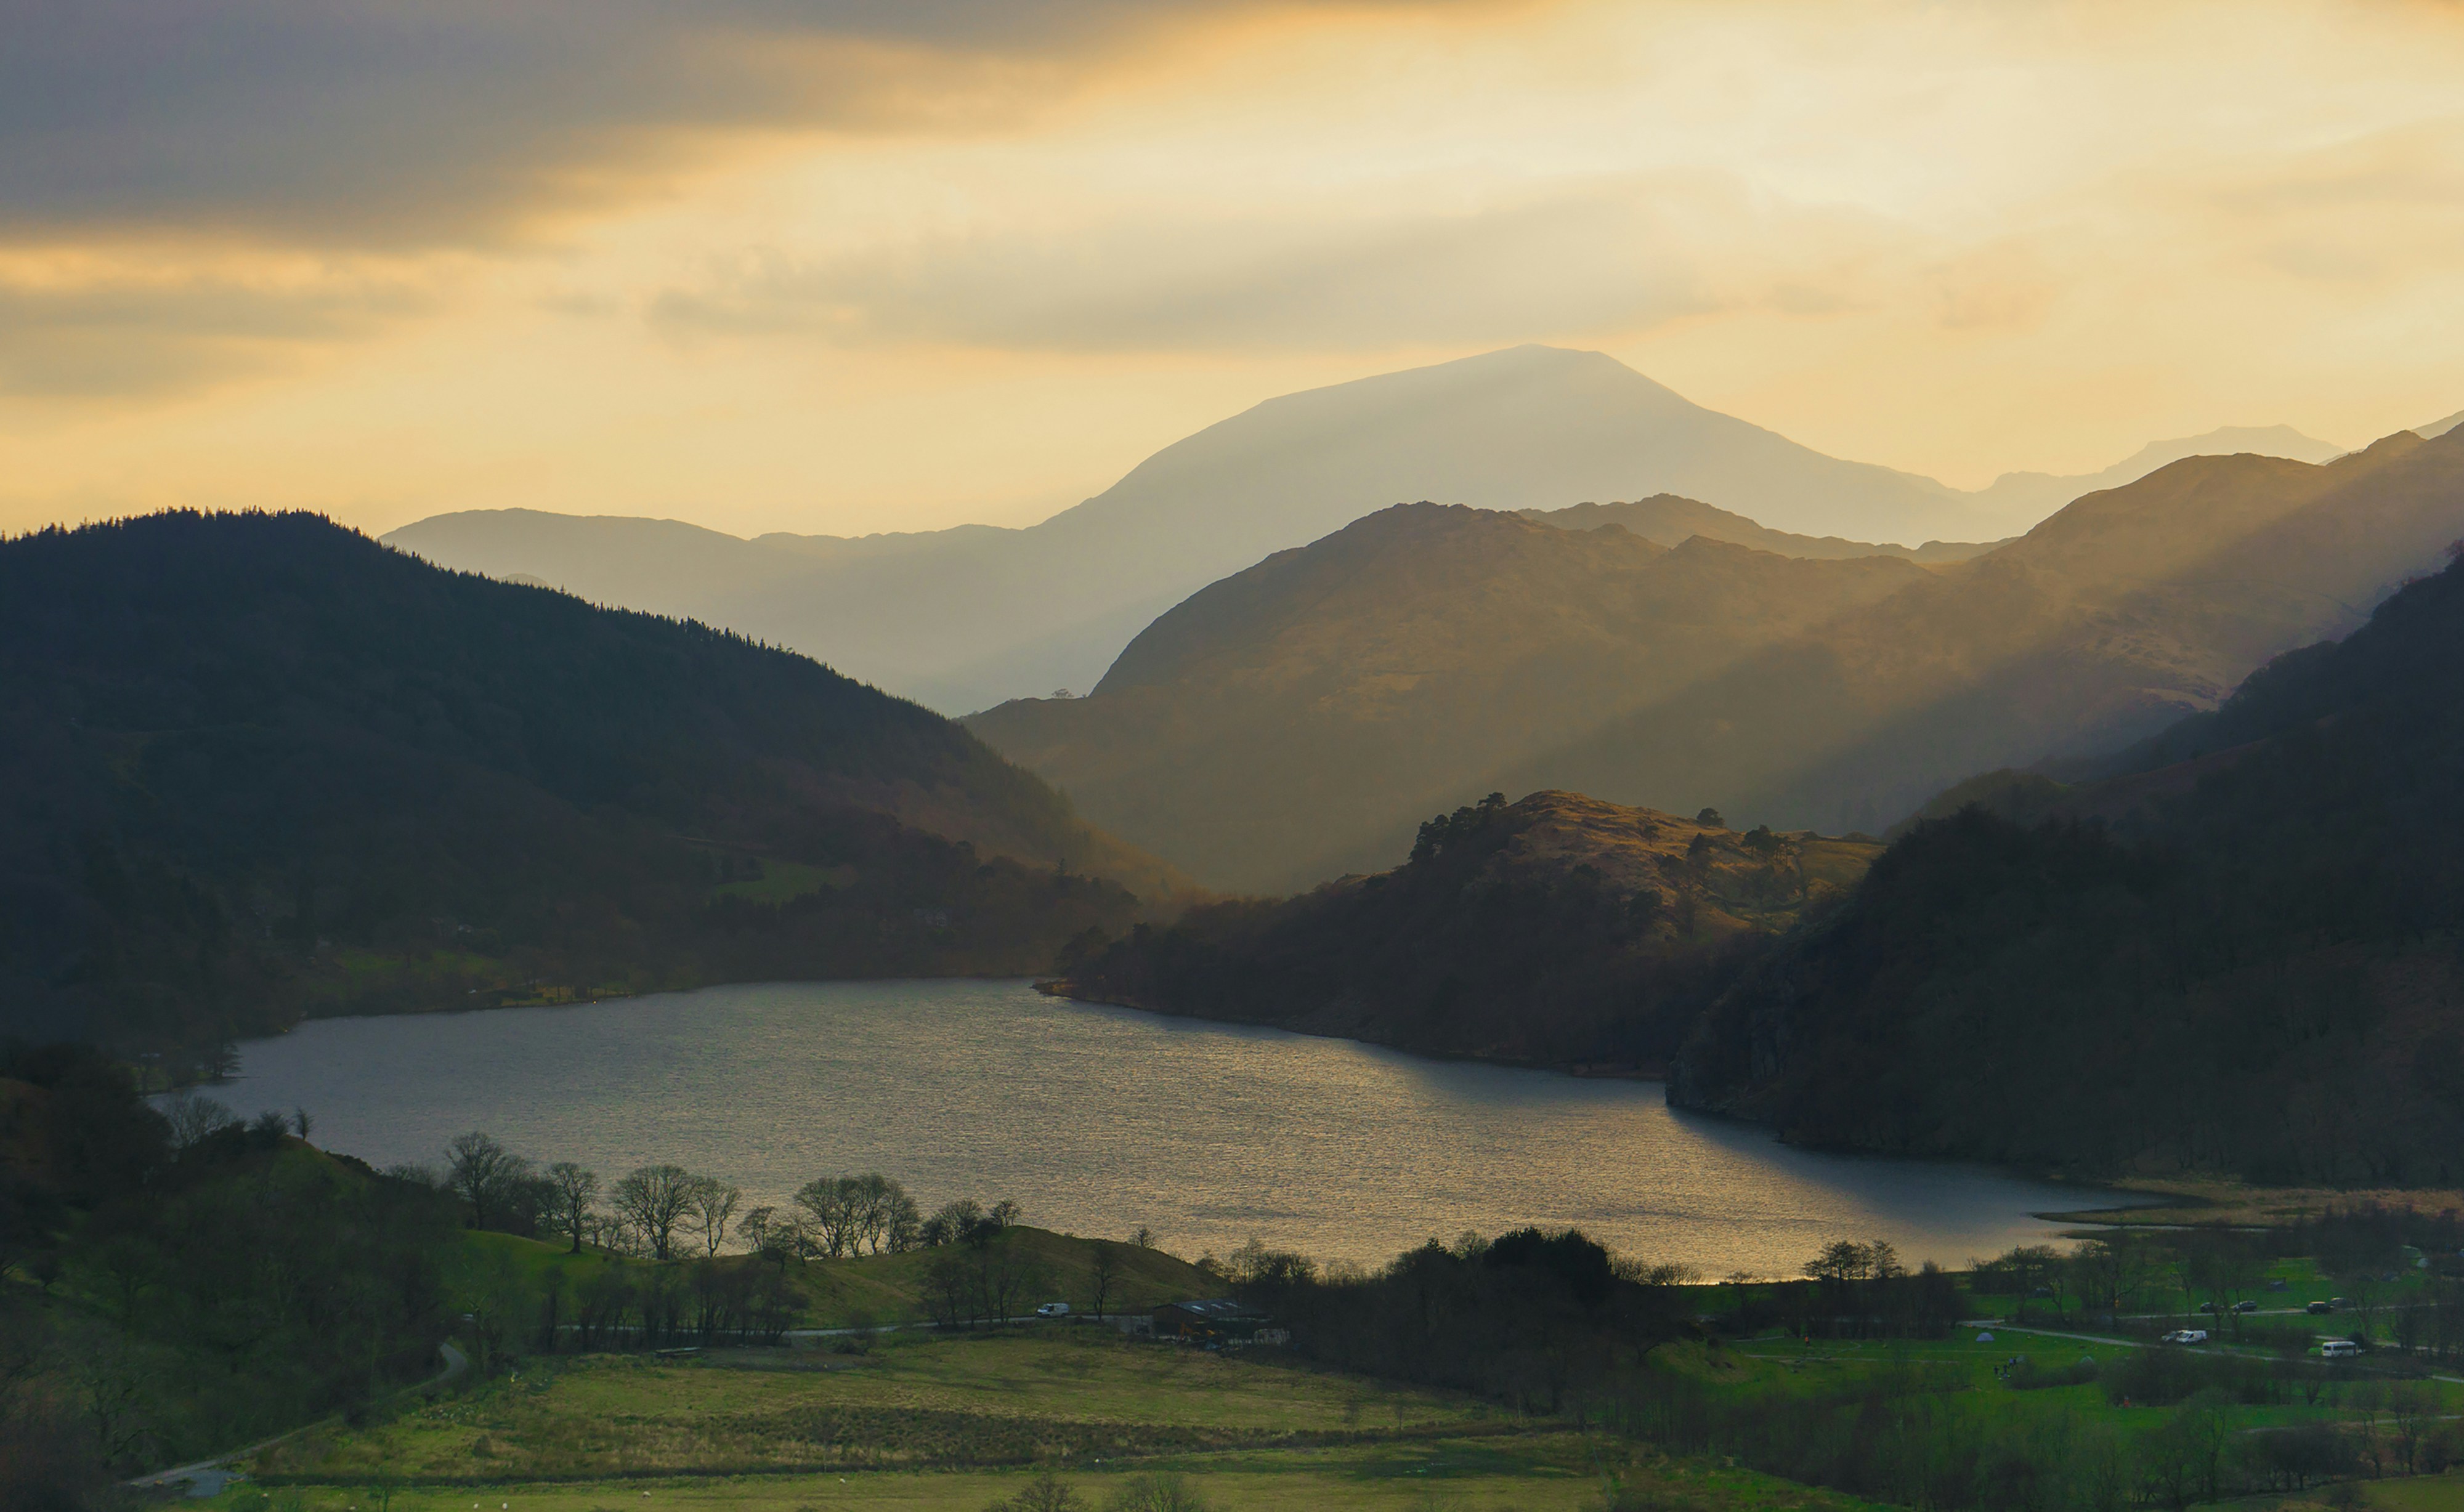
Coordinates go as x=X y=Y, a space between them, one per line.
x=2120 y=614
x=1671 y=520
x=1557 y=929
x=2250 y=968
x=1296 y=720
x=258 y=764
x=1286 y=724
x=967 y=618
x=2029 y=496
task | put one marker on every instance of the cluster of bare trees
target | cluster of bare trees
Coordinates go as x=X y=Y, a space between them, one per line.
x=655 y=1210
x=664 y=1212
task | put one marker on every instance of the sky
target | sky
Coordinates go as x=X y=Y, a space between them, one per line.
x=845 y=266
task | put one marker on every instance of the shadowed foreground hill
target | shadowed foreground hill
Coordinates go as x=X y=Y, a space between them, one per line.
x=255 y=765
x=1290 y=723
x=2253 y=969
x=1556 y=930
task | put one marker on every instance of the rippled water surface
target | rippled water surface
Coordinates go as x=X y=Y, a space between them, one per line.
x=1101 y=1119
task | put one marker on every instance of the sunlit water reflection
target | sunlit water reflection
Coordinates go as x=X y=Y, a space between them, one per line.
x=1100 y=1120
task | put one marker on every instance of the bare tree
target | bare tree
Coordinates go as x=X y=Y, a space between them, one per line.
x=575 y=1190
x=829 y=1203
x=905 y=1228
x=654 y=1201
x=194 y=1118
x=774 y=1236
x=867 y=1201
x=957 y=1221
x=1103 y=1273
x=485 y=1174
x=712 y=1203
x=881 y=1216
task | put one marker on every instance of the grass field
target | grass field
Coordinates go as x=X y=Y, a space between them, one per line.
x=1551 y=1472
x=1782 y=1362
x=924 y=1421
x=927 y=1423
x=909 y=1402
x=2441 y=1493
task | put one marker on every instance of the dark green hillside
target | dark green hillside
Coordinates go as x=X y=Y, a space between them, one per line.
x=2252 y=968
x=1557 y=929
x=258 y=765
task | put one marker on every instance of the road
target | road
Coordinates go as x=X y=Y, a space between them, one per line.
x=206 y=1478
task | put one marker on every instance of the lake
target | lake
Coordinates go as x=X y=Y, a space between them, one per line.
x=1100 y=1120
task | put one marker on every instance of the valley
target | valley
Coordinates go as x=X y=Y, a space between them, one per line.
x=1202 y=757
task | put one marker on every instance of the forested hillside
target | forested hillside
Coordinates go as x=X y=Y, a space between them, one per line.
x=253 y=766
x=2245 y=961
x=1556 y=930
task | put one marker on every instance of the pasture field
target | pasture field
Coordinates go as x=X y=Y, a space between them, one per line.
x=911 y=1402
x=1533 y=1472
x=1824 y=1364
x=930 y=1423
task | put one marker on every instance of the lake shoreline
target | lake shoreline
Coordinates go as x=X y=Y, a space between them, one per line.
x=1104 y=1118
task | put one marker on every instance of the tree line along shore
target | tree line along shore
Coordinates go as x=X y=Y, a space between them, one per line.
x=153 y=1259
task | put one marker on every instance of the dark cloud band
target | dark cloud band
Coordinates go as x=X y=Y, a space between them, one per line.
x=422 y=122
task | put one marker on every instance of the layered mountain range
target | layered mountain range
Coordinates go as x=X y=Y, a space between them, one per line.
x=1293 y=722
x=965 y=619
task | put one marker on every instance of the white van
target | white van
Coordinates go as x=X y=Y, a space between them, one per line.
x=2338 y=1349
x=1053 y=1309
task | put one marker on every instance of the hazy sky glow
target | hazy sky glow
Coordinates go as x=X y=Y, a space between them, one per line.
x=859 y=265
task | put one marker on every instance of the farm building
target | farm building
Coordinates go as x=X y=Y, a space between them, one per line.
x=1216 y=1321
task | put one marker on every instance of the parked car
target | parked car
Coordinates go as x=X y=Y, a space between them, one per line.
x=2338 y=1349
x=1053 y=1309
x=2321 y=1306
x=2186 y=1336
x=2245 y=1306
